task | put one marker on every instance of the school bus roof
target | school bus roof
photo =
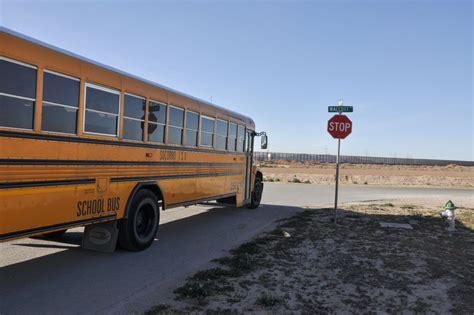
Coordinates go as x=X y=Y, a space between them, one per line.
x=245 y=119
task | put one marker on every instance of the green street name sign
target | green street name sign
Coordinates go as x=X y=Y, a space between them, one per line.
x=340 y=109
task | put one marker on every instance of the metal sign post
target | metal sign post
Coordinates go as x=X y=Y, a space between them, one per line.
x=337 y=179
x=339 y=126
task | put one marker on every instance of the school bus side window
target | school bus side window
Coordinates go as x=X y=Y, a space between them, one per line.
x=102 y=107
x=60 y=103
x=133 y=117
x=249 y=141
x=192 y=126
x=232 y=141
x=156 y=122
x=175 y=125
x=241 y=139
x=221 y=134
x=17 y=94
x=207 y=131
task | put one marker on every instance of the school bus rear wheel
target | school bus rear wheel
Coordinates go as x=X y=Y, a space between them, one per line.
x=138 y=231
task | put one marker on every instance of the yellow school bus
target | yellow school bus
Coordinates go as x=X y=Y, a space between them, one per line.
x=83 y=144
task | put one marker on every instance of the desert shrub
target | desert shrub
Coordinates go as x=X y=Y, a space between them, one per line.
x=295 y=180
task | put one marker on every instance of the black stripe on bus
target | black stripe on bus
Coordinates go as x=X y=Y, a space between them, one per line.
x=113 y=180
x=101 y=162
x=24 y=135
x=195 y=201
x=159 y=177
x=45 y=229
x=47 y=183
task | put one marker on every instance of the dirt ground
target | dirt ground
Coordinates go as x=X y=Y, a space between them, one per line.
x=369 y=174
x=309 y=265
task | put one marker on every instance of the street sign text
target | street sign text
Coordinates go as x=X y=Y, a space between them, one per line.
x=340 y=109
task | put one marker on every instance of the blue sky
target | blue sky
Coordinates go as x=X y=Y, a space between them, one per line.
x=406 y=66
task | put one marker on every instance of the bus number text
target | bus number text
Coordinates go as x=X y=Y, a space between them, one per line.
x=166 y=155
x=234 y=186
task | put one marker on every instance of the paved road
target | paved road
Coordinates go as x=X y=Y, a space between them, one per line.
x=40 y=276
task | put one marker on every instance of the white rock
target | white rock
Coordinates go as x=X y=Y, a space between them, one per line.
x=396 y=225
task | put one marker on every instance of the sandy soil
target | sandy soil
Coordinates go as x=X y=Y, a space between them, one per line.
x=308 y=265
x=367 y=174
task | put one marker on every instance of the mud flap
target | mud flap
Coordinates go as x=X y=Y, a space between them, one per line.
x=101 y=237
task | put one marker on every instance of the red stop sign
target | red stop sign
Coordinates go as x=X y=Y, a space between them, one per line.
x=339 y=126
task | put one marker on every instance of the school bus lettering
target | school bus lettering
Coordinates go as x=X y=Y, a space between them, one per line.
x=88 y=207
x=96 y=206
x=113 y=204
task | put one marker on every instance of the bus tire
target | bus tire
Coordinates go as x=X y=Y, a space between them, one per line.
x=256 y=193
x=138 y=231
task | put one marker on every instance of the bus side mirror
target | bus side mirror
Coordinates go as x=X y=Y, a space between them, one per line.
x=264 y=142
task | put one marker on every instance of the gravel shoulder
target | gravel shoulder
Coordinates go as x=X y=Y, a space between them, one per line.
x=309 y=265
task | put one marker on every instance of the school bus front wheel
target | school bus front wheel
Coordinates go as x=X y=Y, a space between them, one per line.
x=138 y=231
x=257 y=192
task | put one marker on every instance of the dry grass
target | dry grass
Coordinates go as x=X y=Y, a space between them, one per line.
x=309 y=265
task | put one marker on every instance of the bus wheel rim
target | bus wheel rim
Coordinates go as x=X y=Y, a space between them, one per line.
x=144 y=221
x=258 y=192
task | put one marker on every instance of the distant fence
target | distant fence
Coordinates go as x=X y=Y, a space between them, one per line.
x=327 y=158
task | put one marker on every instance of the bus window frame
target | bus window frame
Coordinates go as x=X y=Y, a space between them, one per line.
x=217 y=135
x=201 y=117
x=157 y=123
x=168 y=124
x=105 y=89
x=21 y=63
x=123 y=117
x=244 y=127
x=198 y=138
x=234 y=146
x=62 y=105
x=60 y=74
